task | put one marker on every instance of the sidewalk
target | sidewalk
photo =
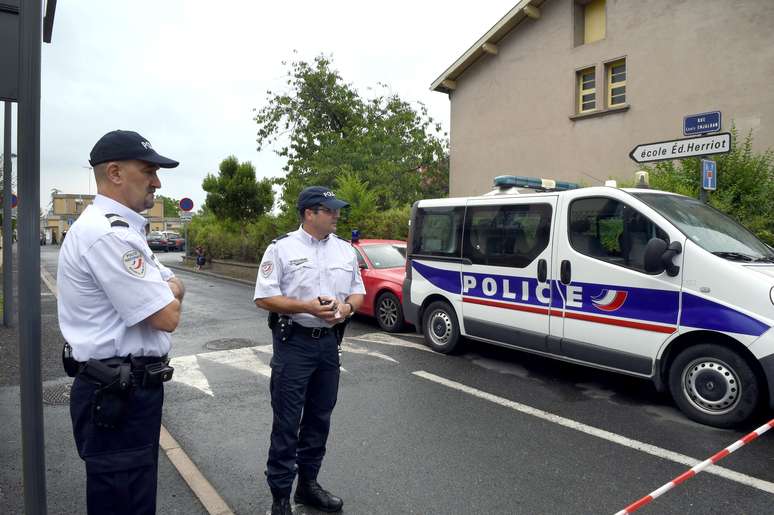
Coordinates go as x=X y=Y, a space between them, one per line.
x=65 y=472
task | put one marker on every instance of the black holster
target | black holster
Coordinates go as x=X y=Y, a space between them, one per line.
x=111 y=400
x=339 y=329
x=71 y=366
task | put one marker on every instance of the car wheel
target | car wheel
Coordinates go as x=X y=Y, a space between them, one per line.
x=714 y=385
x=389 y=312
x=442 y=332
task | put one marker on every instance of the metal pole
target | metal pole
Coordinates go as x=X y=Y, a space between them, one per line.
x=33 y=449
x=7 y=222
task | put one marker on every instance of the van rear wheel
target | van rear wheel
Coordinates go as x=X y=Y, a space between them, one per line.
x=442 y=332
x=714 y=385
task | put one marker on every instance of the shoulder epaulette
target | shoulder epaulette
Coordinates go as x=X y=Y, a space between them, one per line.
x=278 y=238
x=116 y=220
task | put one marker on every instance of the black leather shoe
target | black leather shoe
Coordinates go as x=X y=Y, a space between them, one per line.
x=281 y=506
x=312 y=494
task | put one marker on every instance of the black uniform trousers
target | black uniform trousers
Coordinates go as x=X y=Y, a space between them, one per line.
x=304 y=386
x=122 y=463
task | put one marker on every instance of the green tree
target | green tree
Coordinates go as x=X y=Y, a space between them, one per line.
x=234 y=194
x=171 y=206
x=745 y=184
x=326 y=130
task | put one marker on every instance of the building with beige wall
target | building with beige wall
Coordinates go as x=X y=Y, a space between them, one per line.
x=565 y=89
x=67 y=207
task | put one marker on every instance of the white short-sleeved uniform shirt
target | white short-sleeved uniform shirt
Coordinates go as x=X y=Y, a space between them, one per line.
x=302 y=267
x=109 y=282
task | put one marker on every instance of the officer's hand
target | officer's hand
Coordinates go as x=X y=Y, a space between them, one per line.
x=324 y=308
x=176 y=285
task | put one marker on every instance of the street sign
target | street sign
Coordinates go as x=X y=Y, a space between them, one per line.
x=680 y=148
x=70 y=220
x=709 y=174
x=701 y=123
x=186 y=204
x=14 y=200
x=186 y=216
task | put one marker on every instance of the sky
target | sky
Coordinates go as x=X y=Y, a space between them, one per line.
x=188 y=74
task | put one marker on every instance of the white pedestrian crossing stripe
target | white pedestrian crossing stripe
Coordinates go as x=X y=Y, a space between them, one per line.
x=188 y=369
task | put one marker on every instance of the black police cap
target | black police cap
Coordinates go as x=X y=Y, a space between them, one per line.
x=125 y=145
x=319 y=195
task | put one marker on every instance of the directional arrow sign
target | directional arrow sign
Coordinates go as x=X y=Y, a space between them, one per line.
x=680 y=148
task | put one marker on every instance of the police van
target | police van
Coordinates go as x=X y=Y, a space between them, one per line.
x=637 y=281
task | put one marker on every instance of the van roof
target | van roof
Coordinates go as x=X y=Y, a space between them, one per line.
x=456 y=201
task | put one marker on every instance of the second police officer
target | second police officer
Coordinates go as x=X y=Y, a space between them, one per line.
x=309 y=280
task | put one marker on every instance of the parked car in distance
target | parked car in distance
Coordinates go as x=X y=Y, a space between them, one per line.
x=383 y=268
x=165 y=241
x=175 y=241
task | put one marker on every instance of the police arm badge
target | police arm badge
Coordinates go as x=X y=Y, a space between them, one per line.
x=267 y=267
x=134 y=262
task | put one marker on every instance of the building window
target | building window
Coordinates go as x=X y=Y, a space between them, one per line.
x=616 y=83
x=590 y=21
x=587 y=91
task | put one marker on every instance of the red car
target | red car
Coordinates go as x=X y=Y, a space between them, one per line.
x=383 y=268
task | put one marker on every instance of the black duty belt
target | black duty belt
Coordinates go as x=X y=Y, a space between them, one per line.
x=314 y=332
x=147 y=370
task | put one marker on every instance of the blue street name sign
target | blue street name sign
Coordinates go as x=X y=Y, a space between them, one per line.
x=709 y=175
x=701 y=123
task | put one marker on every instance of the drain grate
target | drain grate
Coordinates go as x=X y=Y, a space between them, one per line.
x=229 y=343
x=57 y=394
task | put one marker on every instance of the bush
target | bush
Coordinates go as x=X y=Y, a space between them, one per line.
x=745 y=184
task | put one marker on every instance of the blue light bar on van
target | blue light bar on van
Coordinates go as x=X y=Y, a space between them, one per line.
x=537 y=183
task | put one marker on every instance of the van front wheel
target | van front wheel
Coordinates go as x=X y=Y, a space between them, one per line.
x=714 y=385
x=442 y=332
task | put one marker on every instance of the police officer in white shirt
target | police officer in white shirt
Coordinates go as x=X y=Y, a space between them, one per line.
x=117 y=306
x=310 y=277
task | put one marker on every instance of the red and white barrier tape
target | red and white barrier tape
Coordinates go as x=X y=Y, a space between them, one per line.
x=696 y=469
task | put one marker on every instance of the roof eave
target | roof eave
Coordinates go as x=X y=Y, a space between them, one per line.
x=446 y=82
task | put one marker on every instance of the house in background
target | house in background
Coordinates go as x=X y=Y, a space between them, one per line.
x=565 y=89
x=67 y=207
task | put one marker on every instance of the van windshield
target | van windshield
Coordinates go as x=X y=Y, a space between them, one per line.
x=709 y=228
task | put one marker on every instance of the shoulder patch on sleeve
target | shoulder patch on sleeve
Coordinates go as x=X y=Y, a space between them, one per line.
x=134 y=262
x=116 y=220
x=278 y=238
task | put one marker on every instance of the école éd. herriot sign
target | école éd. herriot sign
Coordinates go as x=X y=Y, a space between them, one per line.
x=681 y=148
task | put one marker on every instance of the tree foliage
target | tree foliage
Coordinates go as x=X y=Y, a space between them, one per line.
x=234 y=193
x=171 y=206
x=327 y=130
x=745 y=184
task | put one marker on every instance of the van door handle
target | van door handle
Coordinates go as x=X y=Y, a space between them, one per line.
x=565 y=272
x=542 y=271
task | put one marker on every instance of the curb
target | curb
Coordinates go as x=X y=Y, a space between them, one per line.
x=208 y=274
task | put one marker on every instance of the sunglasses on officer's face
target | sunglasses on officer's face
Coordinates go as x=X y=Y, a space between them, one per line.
x=325 y=210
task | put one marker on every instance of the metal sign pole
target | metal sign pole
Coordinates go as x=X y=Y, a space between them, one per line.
x=7 y=222
x=33 y=449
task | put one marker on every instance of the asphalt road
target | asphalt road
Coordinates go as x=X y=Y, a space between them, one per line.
x=486 y=431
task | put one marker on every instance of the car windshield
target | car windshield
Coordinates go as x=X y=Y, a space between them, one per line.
x=155 y=236
x=709 y=228
x=385 y=255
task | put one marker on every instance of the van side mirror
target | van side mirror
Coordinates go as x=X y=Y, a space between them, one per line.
x=362 y=266
x=658 y=257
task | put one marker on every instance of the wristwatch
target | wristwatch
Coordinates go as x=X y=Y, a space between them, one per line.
x=351 y=310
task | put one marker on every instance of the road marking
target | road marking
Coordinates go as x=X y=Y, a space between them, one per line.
x=207 y=495
x=386 y=339
x=48 y=280
x=725 y=473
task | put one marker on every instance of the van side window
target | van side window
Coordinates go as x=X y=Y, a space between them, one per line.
x=611 y=231
x=438 y=231
x=506 y=235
